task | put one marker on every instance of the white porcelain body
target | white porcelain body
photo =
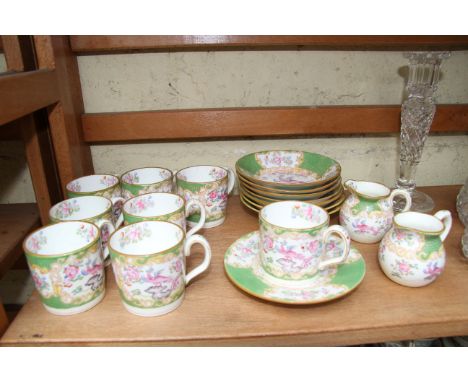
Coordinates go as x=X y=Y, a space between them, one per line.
x=66 y=265
x=146 y=180
x=211 y=186
x=295 y=239
x=91 y=208
x=148 y=259
x=367 y=213
x=100 y=185
x=163 y=206
x=412 y=251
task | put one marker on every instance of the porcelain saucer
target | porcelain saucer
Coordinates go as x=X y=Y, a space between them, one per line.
x=241 y=262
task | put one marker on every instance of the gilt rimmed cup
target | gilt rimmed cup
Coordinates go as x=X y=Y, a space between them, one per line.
x=211 y=185
x=146 y=180
x=66 y=265
x=100 y=185
x=163 y=206
x=295 y=241
x=148 y=259
x=90 y=208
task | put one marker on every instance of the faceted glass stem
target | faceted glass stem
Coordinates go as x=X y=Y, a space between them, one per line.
x=417 y=114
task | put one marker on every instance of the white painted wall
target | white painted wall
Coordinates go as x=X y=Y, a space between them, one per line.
x=153 y=81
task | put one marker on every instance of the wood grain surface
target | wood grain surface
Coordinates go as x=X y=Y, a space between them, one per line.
x=259 y=122
x=24 y=93
x=16 y=221
x=72 y=155
x=215 y=312
x=112 y=44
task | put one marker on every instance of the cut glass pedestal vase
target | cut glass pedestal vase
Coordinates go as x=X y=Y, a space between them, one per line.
x=462 y=209
x=417 y=113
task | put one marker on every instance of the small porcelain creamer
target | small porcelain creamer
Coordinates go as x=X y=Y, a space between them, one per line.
x=368 y=211
x=412 y=251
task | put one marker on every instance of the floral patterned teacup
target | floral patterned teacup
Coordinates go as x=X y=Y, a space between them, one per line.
x=295 y=241
x=66 y=264
x=145 y=180
x=164 y=207
x=210 y=185
x=148 y=259
x=94 y=209
x=412 y=252
x=101 y=185
x=367 y=213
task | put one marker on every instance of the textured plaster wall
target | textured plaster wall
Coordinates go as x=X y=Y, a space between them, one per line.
x=2 y=63
x=155 y=81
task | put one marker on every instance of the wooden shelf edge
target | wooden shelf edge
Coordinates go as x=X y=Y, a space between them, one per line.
x=117 y=44
x=24 y=93
x=259 y=122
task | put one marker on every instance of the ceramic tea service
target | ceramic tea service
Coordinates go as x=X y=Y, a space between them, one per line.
x=148 y=259
x=91 y=208
x=295 y=258
x=210 y=185
x=412 y=251
x=66 y=265
x=145 y=180
x=368 y=211
x=101 y=185
x=164 y=207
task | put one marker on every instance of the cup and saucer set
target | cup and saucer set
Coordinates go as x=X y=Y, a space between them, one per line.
x=295 y=257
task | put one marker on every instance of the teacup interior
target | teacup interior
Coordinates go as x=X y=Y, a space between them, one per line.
x=146 y=175
x=373 y=190
x=146 y=238
x=61 y=238
x=92 y=183
x=419 y=221
x=292 y=214
x=201 y=174
x=80 y=208
x=154 y=204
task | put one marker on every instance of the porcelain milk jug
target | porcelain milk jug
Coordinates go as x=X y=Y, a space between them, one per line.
x=412 y=251
x=367 y=213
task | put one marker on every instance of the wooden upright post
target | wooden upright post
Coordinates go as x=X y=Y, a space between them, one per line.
x=72 y=154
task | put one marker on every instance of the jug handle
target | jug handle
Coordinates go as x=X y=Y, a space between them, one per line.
x=446 y=218
x=350 y=185
x=405 y=194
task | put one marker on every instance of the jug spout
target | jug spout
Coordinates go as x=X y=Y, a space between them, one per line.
x=368 y=190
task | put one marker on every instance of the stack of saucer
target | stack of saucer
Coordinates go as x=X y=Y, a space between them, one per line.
x=270 y=176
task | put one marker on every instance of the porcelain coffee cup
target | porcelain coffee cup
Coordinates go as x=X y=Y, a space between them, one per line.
x=145 y=180
x=91 y=208
x=66 y=264
x=100 y=185
x=148 y=259
x=210 y=185
x=294 y=238
x=163 y=206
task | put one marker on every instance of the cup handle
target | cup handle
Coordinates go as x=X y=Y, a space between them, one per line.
x=446 y=218
x=120 y=219
x=197 y=239
x=405 y=194
x=201 y=222
x=349 y=185
x=231 y=178
x=174 y=180
x=111 y=227
x=340 y=231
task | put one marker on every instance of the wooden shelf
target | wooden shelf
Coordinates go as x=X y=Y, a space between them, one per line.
x=16 y=221
x=259 y=122
x=115 y=44
x=215 y=312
